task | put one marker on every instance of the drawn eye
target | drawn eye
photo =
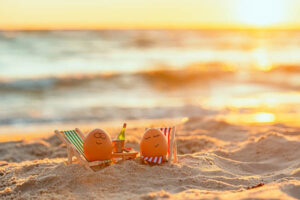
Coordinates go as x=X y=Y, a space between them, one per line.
x=147 y=138
x=100 y=135
x=156 y=135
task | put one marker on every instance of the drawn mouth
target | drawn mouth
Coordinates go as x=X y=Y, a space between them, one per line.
x=156 y=145
x=98 y=142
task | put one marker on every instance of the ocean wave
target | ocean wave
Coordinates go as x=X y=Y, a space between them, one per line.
x=71 y=80
x=158 y=79
x=162 y=78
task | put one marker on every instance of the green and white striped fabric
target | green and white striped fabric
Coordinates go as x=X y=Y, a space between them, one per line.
x=76 y=140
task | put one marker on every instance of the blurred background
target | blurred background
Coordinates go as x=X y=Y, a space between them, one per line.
x=97 y=60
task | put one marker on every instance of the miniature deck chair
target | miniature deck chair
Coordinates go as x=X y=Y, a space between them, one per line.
x=74 y=141
x=172 y=147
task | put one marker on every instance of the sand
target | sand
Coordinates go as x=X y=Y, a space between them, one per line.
x=217 y=160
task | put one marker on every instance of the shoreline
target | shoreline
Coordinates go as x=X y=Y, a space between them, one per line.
x=41 y=131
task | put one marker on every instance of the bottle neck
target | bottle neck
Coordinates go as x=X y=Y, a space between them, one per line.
x=123 y=130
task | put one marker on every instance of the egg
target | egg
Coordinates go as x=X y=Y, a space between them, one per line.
x=97 y=145
x=153 y=143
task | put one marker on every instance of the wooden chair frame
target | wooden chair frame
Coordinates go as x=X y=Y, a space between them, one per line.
x=173 y=147
x=72 y=151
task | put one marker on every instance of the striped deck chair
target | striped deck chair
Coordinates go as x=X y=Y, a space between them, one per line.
x=169 y=133
x=74 y=141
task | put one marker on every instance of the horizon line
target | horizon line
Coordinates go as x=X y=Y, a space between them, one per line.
x=158 y=28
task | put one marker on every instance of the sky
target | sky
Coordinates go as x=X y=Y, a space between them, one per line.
x=148 y=14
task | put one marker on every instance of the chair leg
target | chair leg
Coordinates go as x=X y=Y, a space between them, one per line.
x=171 y=147
x=70 y=155
x=175 y=152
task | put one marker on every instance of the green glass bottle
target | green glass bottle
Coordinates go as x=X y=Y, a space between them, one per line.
x=121 y=135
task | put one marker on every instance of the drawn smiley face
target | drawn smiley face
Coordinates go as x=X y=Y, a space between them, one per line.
x=153 y=143
x=97 y=145
x=100 y=137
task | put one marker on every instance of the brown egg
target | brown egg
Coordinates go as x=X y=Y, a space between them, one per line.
x=97 y=145
x=153 y=143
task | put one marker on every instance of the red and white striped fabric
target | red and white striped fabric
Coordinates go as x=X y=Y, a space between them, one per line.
x=167 y=133
x=155 y=159
x=159 y=159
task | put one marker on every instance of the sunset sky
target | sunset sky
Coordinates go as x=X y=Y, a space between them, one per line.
x=123 y=14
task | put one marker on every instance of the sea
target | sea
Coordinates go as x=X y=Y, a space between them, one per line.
x=243 y=76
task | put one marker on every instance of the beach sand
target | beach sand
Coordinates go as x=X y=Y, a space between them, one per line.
x=217 y=160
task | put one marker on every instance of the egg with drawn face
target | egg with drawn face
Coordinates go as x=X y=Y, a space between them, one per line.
x=153 y=143
x=97 y=145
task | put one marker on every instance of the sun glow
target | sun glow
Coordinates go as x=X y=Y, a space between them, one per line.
x=264 y=117
x=261 y=60
x=117 y=14
x=261 y=12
